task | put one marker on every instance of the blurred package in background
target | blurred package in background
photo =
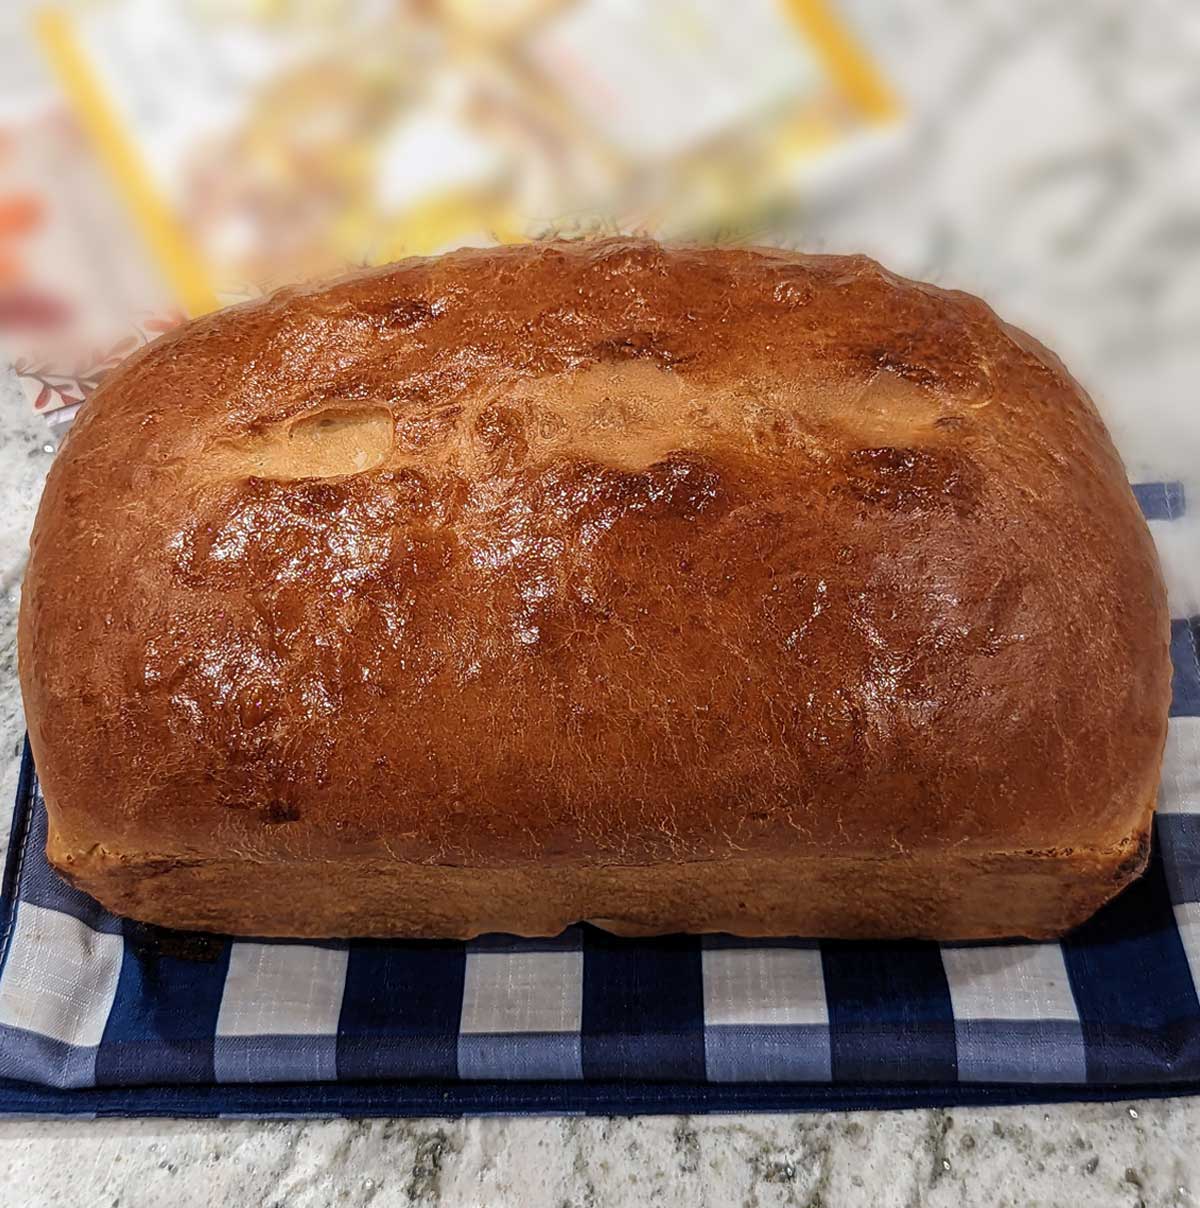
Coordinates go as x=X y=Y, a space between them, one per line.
x=179 y=156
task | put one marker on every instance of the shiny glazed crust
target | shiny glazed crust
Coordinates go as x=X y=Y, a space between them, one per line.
x=678 y=589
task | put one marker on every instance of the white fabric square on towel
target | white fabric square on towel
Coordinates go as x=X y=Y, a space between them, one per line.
x=1180 y=791
x=764 y=986
x=282 y=990
x=1009 y=981
x=522 y=992
x=60 y=978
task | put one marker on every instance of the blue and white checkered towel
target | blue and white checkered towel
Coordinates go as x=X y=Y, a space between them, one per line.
x=99 y=1014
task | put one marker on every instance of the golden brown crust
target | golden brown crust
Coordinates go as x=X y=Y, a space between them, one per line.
x=583 y=555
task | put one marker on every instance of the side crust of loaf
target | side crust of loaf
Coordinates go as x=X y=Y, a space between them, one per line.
x=1032 y=894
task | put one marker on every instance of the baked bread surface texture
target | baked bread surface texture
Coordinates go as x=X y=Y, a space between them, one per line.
x=678 y=589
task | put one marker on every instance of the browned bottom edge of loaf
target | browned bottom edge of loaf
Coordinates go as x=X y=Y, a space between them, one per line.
x=938 y=895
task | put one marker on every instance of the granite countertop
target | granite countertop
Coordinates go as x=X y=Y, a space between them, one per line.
x=1053 y=168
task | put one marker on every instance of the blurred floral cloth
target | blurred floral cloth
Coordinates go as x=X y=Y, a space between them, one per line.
x=191 y=154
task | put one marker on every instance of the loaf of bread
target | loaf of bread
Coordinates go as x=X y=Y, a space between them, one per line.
x=670 y=589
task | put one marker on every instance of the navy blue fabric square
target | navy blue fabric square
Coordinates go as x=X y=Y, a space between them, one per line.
x=164 y=1017
x=1133 y=987
x=1160 y=500
x=1185 y=664
x=643 y=1007
x=400 y=1010
x=890 y=1014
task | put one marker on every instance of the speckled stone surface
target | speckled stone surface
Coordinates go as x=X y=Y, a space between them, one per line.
x=1116 y=1154
x=1055 y=172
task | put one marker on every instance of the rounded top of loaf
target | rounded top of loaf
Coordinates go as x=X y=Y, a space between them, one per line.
x=599 y=551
